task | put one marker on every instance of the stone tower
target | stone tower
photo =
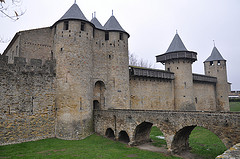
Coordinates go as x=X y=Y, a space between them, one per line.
x=215 y=65
x=72 y=48
x=116 y=39
x=179 y=60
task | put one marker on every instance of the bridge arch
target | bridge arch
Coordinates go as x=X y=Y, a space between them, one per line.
x=123 y=136
x=180 y=141
x=110 y=133
x=142 y=133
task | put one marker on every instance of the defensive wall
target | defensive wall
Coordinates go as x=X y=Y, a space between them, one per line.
x=134 y=126
x=27 y=109
x=153 y=89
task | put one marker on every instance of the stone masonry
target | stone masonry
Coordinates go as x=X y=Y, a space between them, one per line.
x=53 y=78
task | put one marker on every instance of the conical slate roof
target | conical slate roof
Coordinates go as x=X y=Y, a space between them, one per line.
x=113 y=24
x=215 y=56
x=97 y=23
x=176 y=45
x=74 y=12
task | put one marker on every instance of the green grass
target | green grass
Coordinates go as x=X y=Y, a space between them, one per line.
x=92 y=147
x=203 y=142
x=156 y=141
x=234 y=106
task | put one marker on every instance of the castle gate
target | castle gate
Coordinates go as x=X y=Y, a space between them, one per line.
x=175 y=125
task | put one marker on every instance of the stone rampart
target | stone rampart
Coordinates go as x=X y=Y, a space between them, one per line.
x=27 y=100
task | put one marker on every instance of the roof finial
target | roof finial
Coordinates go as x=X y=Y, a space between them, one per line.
x=112 y=12
x=75 y=1
x=214 y=43
x=176 y=31
x=94 y=14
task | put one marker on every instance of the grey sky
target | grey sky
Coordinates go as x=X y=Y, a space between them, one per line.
x=152 y=25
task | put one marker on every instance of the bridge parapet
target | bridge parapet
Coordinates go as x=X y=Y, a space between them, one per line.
x=175 y=125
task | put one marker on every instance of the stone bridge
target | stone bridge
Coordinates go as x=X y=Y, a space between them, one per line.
x=134 y=126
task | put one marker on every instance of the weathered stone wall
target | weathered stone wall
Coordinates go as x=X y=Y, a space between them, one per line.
x=232 y=153
x=13 y=49
x=204 y=95
x=183 y=83
x=151 y=93
x=218 y=69
x=73 y=48
x=36 y=44
x=31 y=44
x=175 y=125
x=27 y=100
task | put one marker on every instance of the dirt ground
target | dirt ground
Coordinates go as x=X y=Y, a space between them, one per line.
x=149 y=147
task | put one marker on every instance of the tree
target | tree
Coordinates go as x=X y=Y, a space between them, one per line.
x=134 y=61
x=11 y=9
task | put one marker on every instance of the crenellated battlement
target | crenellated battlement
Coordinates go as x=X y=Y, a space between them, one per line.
x=20 y=65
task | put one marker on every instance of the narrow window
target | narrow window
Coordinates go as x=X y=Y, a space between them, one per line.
x=13 y=55
x=168 y=69
x=82 y=26
x=121 y=36
x=219 y=63
x=65 y=25
x=16 y=50
x=211 y=63
x=93 y=32
x=106 y=35
x=196 y=99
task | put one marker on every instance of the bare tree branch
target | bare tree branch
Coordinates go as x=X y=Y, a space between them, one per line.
x=11 y=9
x=134 y=61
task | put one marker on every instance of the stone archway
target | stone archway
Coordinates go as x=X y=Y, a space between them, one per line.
x=180 y=141
x=99 y=95
x=110 y=133
x=123 y=136
x=142 y=133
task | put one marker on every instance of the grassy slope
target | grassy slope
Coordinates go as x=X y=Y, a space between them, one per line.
x=203 y=142
x=234 y=106
x=92 y=147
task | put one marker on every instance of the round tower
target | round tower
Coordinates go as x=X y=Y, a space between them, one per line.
x=179 y=60
x=215 y=65
x=72 y=49
x=116 y=40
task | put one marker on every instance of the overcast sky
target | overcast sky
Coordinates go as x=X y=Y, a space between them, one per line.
x=152 y=25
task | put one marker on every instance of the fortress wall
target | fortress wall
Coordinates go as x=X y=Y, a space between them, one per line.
x=27 y=101
x=36 y=43
x=110 y=63
x=151 y=94
x=205 y=96
x=73 y=48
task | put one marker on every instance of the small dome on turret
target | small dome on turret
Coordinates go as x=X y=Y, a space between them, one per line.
x=97 y=24
x=177 y=50
x=176 y=45
x=73 y=13
x=215 y=56
x=113 y=25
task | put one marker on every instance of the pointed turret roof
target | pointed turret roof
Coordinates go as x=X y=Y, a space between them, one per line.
x=215 y=56
x=113 y=25
x=97 y=23
x=74 y=12
x=176 y=45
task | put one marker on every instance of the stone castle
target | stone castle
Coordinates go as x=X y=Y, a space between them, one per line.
x=53 y=78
